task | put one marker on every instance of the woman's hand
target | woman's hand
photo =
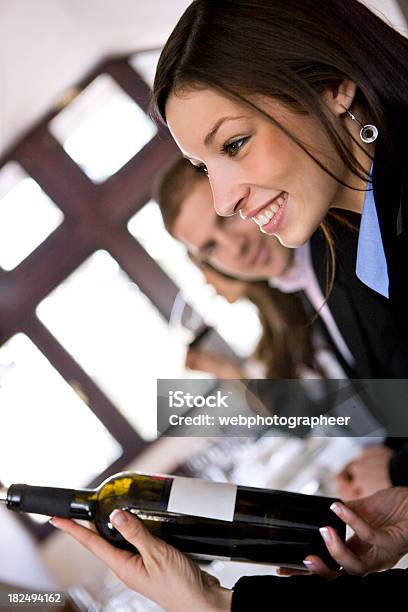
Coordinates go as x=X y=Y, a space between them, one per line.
x=365 y=475
x=380 y=524
x=159 y=572
x=197 y=359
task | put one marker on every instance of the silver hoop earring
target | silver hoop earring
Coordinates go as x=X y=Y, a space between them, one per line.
x=368 y=132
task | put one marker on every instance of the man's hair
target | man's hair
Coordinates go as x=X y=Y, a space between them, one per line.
x=172 y=187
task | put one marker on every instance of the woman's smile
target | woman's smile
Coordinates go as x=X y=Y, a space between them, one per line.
x=268 y=217
x=254 y=167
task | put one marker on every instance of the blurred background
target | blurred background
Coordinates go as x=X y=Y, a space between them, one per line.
x=97 y=301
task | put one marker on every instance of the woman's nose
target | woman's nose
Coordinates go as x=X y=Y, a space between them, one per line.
x=228 y=200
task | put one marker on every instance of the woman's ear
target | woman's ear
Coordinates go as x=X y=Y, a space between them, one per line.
x=340 y=98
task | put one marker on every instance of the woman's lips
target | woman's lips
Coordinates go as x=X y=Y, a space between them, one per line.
x=268 y=212
x=273 y=224
x=256 y=211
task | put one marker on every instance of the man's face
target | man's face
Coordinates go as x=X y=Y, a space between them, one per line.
x=230 y=244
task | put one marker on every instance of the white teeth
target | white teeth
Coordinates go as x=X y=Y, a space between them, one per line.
x=268 y=213
x=261 y=219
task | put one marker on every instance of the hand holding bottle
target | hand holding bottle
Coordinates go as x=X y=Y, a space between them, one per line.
x=160 y=572
x=196 y=516
x=380 y=525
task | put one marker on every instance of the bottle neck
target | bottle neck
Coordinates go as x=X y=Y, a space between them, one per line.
x=51 y=501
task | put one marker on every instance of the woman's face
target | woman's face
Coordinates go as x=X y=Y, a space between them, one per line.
x=230 y=244
x=253 y=167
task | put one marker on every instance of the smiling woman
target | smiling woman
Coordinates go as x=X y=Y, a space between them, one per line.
x=253 y=167
x=234 y=247
x=272 y=100
x=239 y=261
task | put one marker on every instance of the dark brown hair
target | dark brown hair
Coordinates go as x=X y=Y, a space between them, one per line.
x=172 y=186
x=292 y=51
x=286 y=343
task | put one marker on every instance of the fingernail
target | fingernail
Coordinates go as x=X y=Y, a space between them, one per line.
x=326 y=535
x=336 y=509
x=51 y=522
x=118 y=518
x=309 y=564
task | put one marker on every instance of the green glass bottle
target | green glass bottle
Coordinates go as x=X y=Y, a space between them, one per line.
x=202 y=518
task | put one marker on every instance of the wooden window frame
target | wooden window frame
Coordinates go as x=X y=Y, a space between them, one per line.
x=95 y=217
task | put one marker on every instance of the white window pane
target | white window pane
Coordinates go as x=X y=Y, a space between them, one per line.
x=145 y=64
x=148 y=228
x=116 y=334
x=102 y=128
x=27 y=215
x=50 y=436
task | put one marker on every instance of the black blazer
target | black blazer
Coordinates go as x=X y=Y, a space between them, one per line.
x=390 y=184
x=398 y=467
x=366 y=319
x=266 y=593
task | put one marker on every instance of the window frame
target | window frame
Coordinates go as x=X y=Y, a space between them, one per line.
x=95 y=217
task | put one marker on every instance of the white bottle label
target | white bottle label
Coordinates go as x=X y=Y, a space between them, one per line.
x=200 y=557
x=196 y=497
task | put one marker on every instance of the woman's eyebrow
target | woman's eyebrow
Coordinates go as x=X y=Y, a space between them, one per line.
x=217 y=125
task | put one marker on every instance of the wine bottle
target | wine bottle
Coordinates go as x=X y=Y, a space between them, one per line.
x=202 y=518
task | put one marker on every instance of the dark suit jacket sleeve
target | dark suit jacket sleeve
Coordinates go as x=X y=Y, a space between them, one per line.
x=399 y=467
x=259 y=592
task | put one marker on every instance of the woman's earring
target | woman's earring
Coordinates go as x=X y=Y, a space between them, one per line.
x=368 y=132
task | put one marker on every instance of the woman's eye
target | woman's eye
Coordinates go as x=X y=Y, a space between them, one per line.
x=210 y=248
x=234 y=147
